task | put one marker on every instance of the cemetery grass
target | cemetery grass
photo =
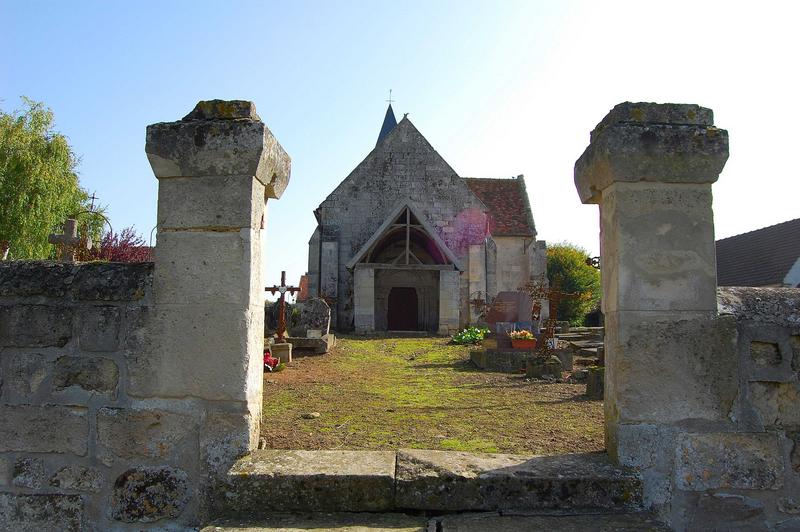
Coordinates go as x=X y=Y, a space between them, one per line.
x=391 y=393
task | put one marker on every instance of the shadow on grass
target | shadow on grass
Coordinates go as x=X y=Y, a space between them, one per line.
x=455 y=365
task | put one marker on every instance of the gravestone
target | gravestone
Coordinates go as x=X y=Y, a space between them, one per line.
x=312 y=331
x=510 y=310
x=315 y=319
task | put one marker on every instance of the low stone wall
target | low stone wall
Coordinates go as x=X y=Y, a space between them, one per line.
x=741 y=469
x=74 y=446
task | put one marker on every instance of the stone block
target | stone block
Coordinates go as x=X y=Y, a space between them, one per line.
x=508 y=361
x=206 y=267
x=765 y=353
x=789 y=505
x=147 y=494
x=26 y=278
x=44 y=429
x=728 y=460
x=113 y=281
x=282 y=351
x=634 y=151
x=218 y=146
x=199 y=351
x=364 y=300
x=98 y=328
x=224 y=438
x=456 y=481
x=595 y=382
x=128 y=434
x=78 y=478
x=28 y=473
x=35 y=326
x=682 y=114
x=25 y=374
x=543 y=367
x=762 y=306
x=37 y=513
x=319 y=481
x=508 y=522
x=231 y=201
x=449 y=301
x=777 y=403
x=725 y=511
x=95 y=375
x=656 y=267
x=642 y=445
x=663 y=367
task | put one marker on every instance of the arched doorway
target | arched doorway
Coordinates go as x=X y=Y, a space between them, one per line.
x=402 y=311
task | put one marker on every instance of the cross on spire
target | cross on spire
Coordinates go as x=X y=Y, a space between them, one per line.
x=92 y=197
x=390 y=97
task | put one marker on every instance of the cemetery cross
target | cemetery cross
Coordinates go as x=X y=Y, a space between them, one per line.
x=69 y=241
x=282 y=289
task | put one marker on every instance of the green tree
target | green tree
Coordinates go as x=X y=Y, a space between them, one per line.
x=566 y=266
x=38 y=184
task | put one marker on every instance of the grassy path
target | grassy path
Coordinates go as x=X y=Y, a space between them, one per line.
x=389 y=393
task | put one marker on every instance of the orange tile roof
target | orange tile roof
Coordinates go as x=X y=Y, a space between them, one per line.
x=507 y=203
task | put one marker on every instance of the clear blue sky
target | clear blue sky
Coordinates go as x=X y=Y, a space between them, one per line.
x=498 y=88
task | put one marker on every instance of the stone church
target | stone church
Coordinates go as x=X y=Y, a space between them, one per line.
x=406 y=244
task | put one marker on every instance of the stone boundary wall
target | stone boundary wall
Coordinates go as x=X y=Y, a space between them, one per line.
x=701 y=384
x=74 y=445
x=128 y=390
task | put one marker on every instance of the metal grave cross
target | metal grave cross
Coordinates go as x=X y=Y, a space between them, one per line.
x=282 y=290
x=554 y=295
x=68 y=242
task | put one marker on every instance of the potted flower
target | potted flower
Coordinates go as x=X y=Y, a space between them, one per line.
x=522 y=339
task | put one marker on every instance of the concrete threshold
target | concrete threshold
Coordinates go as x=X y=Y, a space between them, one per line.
x=422 y=481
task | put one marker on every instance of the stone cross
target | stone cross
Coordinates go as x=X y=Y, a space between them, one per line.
x=68 y=242
x=282 y=290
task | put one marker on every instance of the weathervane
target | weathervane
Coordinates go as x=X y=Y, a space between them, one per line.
x=390 y=97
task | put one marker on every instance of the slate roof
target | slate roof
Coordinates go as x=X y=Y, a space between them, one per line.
x=508 y=206
x=389 y=122
x=759 y=258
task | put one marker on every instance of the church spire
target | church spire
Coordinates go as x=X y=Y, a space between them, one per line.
x=389 y=121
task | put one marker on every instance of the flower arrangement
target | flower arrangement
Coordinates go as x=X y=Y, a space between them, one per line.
x=522 y=334
x=470 y=335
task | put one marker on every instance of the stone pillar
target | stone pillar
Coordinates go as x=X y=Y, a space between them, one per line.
x=364 y=299
x=216 y=167
x=449 y=301
x=650 y=168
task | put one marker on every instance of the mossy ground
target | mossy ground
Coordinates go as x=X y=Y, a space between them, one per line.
x=389 y=393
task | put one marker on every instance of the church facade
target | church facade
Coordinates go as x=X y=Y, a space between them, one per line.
x=405 y=244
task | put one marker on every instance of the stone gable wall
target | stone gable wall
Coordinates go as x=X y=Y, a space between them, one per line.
x=403 y=166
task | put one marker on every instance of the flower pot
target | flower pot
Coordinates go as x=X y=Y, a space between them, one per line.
x=523 y=344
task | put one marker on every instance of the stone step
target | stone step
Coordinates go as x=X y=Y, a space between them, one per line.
x=472 y=522
x=458 y=481
x=272 y=481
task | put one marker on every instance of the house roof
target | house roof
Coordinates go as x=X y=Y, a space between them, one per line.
x=508 y=206
x=389 y=122
x=759 y=258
